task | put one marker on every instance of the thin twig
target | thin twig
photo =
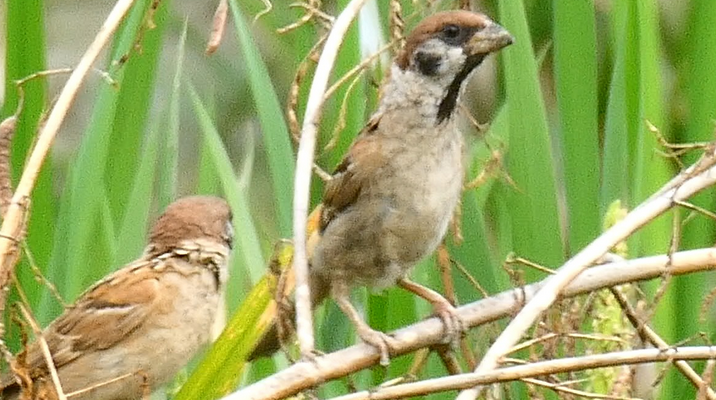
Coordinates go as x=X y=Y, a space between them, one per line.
x=268 y=6
x=531 y=370
x=64 y=71
x=340 y=124
x=555 y=335
x=304 y=165
x=648 y=335
x=313 y=10
x=295 y=88
x=426 y=333
x=355 y=70
x=560 y=387
x=45 y=351
x=697 y=209
x=101 y=384
x=698 y=177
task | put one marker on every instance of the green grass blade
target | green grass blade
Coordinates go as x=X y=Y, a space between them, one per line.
x=92 y=163
x=24 y=23
x=169 y=165
x=699 y=53
x=273 y=126
x=652 y=168
x=533 y=204
x=133 y=231
x=615 y=161
x=133 y=103
x=575 y=64
x=701 y=97
x=249 y=262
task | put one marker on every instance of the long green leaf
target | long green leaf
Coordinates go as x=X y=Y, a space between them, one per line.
x=273 y=126
x=533 y=204
x=24 y=24
x=575 y=63
x=92 y=163
x=133 y=231
x=247 y=250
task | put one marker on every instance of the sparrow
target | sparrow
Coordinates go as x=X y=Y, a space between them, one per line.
x=390 y=200
x=136 y=328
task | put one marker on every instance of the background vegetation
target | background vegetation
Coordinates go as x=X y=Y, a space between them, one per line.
x=570 y=106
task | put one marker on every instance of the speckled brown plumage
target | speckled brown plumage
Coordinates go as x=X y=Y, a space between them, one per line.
x=145 y=321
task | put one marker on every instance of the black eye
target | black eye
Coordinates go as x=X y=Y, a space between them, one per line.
x=451 y=31
x=455 y=35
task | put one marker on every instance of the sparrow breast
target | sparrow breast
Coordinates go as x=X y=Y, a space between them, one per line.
x=391 y=200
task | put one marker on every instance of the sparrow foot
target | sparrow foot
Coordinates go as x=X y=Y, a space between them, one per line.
x=454 y=325
x=379 y=340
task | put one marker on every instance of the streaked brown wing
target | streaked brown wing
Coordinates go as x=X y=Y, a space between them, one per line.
x=350 y=176
x=103 y=316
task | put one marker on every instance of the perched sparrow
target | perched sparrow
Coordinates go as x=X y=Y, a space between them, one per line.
x=133 y=330
x=391 y=199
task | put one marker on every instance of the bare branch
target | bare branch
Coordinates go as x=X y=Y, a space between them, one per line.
x=304 y=375
x=696 y=178
x=531 y=370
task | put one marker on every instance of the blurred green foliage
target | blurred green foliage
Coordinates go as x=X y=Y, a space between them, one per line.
x=569 y=104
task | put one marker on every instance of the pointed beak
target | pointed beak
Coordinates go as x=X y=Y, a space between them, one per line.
x=489 y=40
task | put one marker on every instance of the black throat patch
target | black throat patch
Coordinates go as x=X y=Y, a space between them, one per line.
x=449 y=102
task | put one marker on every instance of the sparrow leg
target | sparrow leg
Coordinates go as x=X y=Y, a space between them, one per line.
x=377 y=339
x=454 y=326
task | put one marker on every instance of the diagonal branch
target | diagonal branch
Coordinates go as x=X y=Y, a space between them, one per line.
x=689 y=182
x=305 y=375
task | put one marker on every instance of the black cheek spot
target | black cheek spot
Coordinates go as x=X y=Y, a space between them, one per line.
x=428 y=64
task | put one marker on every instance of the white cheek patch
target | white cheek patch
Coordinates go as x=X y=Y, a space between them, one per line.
x=455 y=58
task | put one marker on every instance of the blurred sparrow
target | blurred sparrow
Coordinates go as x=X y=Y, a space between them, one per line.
x=389 y=202
x=133 y=330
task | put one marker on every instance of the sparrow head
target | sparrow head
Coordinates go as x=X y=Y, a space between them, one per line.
x=445 y=47
x=192 y=218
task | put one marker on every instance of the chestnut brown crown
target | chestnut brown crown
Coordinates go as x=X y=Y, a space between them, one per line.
x=192 y=218
x=475 y=33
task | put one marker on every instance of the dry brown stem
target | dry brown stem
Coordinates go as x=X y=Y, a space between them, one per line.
x=45 y=352
x=7 y=131
x=648 y=335
x=218 y=25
